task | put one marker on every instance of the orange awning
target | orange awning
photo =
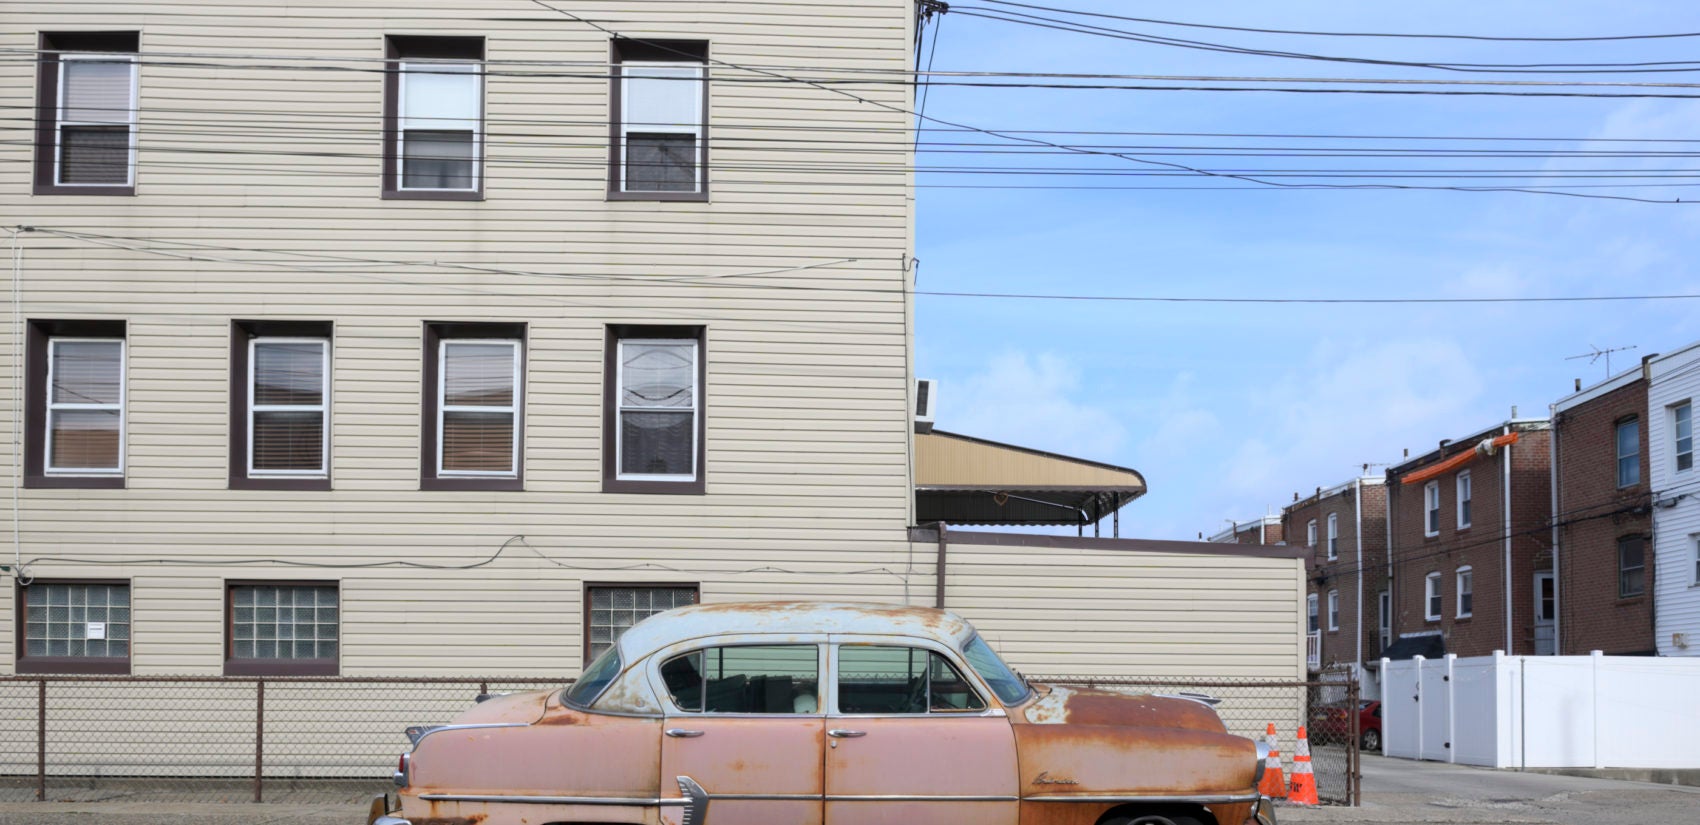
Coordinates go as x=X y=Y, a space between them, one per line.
x=1485 y=448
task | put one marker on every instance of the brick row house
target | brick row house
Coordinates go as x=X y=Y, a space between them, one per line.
x=1344 y=533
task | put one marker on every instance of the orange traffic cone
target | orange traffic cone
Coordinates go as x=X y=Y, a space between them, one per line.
x=1274 y=784
x=1304 y=779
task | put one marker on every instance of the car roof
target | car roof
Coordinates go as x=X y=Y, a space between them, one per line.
x=786 y=618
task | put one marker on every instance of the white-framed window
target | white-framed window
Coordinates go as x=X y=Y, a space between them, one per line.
x=288 y=406
x=1466 y=592
x=1431 y=597
x=656 y=409
x=95 y=128
x=1333 y=536
x=1628 y=452
x=1431 y=509
x=662 y=126
x=478 y=397
x=1466 y=495
x=1682 y=431
x=1312 y=624
x=1310 y=533
x=1333 y=610
x=440 y=125
x=85 y=406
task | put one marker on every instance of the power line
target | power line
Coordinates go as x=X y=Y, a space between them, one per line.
x=304 y=258
x=1039 y=21
x=1492 y=38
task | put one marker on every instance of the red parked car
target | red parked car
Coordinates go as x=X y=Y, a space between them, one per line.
x=1331 y=723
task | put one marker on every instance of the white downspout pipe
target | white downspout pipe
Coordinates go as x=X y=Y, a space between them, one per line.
x=1557 y=577
x=1358 y=664
x=1505 y=522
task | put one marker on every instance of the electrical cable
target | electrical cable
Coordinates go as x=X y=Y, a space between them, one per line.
x=1309 y=33
x=1040 y=21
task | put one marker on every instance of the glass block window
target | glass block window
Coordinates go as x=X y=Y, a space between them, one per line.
x=613 y=610
x=77 y=621
x=284 y=622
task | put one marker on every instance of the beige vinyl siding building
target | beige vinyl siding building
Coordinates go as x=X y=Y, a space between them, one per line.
x=259 y=208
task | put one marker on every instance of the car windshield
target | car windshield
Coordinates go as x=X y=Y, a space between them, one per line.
x=594 y=678
x=1009 y=687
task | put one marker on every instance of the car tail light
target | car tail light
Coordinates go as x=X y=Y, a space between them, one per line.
x=401 y=770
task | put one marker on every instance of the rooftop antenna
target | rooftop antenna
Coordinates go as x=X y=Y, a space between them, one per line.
x=1595 y=356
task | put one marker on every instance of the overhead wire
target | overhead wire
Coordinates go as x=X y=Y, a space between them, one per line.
x=1313 y=33
x=1040 y=21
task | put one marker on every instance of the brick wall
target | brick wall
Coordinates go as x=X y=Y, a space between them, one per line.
x=1342 y=574
x=1479 y=546
x=1593 y=615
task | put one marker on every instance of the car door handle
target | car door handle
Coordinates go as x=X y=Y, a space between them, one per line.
x=840 y=733
x=681 y=733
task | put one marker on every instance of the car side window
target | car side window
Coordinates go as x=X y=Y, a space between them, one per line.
x=880 y=679
x=745 y=679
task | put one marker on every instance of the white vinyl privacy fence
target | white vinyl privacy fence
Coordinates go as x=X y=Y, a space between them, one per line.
x=1543 y=711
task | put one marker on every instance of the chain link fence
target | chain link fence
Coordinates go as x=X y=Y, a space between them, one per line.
x=218 y=739
x=324 y=740
x=1328 y=711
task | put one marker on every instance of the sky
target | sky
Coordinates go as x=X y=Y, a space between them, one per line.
x=1229 y=409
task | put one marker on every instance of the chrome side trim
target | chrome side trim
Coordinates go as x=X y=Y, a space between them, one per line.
x=1201 y=799
x=696 y=811
x=918 y=798
x=770 y=797
x=441 y=728
x=636 y=801
x=1262 y=763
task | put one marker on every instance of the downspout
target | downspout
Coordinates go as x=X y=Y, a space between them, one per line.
x=1359 y=630
x=938 y=585
x=1387 y=548
x=1557 y=574
x=1505 y=522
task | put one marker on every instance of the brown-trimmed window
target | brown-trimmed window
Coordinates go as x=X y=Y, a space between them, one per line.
x=280 y=398
x=1631 y=566
x=612 y=609
x=75 y=404
x=474 y=420
x=434 y=118
x=653 y=410
x=659 y=140
x=282 y=629
x=86 y=100
x=74 y=626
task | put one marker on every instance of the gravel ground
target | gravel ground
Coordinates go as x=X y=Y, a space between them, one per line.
x=1395 y=792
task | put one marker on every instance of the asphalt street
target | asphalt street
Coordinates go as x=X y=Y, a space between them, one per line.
x=1395 y=791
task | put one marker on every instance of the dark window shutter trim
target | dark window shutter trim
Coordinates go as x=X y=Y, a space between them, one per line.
x=47 y=103
x=241 y=332
x=37 y=334
x=611 y=482
x=621 y=50
x=435 y=333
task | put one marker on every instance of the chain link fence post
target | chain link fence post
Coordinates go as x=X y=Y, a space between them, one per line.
x=1354 y=746
x=259 y=738
x=41 y=740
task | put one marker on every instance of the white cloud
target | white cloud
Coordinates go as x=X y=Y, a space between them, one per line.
x=1031 y=400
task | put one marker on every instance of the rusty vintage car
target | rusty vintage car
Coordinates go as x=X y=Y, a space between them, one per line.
x=798 y=713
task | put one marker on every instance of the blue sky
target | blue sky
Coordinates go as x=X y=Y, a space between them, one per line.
x=1230 y=409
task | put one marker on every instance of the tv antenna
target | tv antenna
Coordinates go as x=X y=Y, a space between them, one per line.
x=1595 y=356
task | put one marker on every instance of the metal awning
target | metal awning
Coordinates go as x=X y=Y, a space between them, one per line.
x=964 y=480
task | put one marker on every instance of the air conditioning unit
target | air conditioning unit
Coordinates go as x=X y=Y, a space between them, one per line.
x=925 y=401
